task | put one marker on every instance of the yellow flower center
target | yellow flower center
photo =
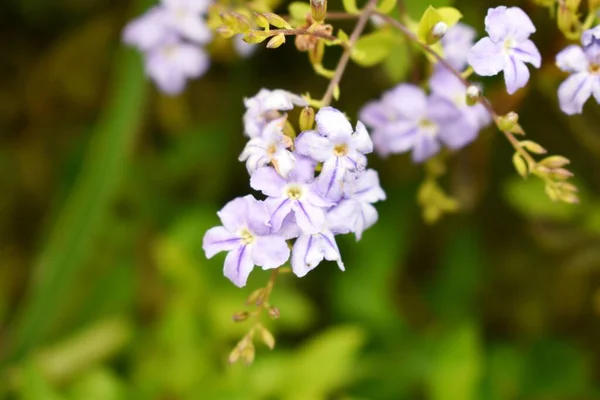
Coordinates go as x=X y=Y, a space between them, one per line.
x=246 y=236
x=340 y=150
x=594 y=69
x=294 y=192
x=428 y=127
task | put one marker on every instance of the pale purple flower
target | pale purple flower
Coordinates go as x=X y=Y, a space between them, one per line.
x=584 y=65
x=310 y=249
x=507 y=48
x=148 y=30
x=186 y=17
x=270 y=147
x=406 y=119
x=171 y=63
x=265 y=106
x=443 y=83
x=296 y=194
x=355 y=212
x=457 y=43
x=339 y=147
x=246 y=237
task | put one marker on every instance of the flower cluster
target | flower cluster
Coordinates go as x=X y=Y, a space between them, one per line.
x=584 y=65
x=316 y=186
x=170 y=36
x=406 y=118
x=507 y=48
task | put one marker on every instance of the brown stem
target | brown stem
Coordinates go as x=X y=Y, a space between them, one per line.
x=483 y=100
x=297 y=31
x=341 y=67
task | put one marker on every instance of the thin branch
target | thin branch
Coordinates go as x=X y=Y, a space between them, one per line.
x=296 y=32
x=483 y=100
x=341 y=67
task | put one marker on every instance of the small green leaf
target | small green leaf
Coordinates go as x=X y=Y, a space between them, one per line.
x=299 y=10
x=350 y=6
x=374 y=48
x=432 y=16
x=386 y=6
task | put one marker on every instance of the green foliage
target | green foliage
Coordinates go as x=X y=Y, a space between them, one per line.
x=350 y=6
x=373 y=48
x=433 y=16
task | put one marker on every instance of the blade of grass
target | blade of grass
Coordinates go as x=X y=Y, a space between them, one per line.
x=71 y=237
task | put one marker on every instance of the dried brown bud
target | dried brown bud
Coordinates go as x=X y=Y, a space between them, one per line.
x=273 y=312
x=240 y=316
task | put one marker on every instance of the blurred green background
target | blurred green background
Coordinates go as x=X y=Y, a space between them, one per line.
x=108 y=188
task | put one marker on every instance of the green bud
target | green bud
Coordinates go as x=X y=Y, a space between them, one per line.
x=242 y=22
x=261 y=21
x=307 y=119
x=247 y=353
x=318 y=10
x=276 y=41
x=240 y=316
x=254 y=296
x=225 y=31
x=228 y=19
x=551 y=192
x=277 y=21
x=545 y=3
x=266 y=336
x=473 y=95
x=572 y=5
x=560 y=174
x=555 y=162
x=520 y=165
x=273 y=312
x=533 y=147
x=508 y=122
x=437 y=32
x=567 y=20
x=253 y=37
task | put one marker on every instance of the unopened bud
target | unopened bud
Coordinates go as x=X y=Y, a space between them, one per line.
x=307 y=119
x=437 y=32
x=276 y=41
x=561 y=174
x=253 y=37
x=277 y=21
x=533 y=147
x=225 y=32
x=240 y=316
x=520 y=165
x=243 y=24
x=273 y=312
x=318 y=9
x=508 y=122
x=473 y=95
x=567 y=20
x=572 y=5
x=261 y=20
x=555 y=162
x=266 y=337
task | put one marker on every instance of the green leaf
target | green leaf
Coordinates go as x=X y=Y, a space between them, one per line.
x=386 y=6
x=373 y=48
x=432 y=16
x=416 y=8
x=82 y=214
x=397 y=64
x=298 y=10
x=350 y=6
x=457 y=365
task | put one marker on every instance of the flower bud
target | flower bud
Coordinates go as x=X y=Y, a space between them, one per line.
x=572 y=5
x=437 y=32
x=240 y=316
x=273 y=312
x=277 y=21
x=567 y=20
x=318 y=9
x=533 y=147
x=508 y=122
x=243 y=24
x=276 y=41
x=266 y=337
x=473 y=95
x=225 y=32
x=555 y=162
x=261 y=20
x=520 y=165
x=307 y=119
x=253 y=37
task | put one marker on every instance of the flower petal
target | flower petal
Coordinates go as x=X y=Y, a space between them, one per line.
x=516 y=75
x=361 y=139
x=528 y=52
x=309 y=217
x=367 y=188
x=424 y=148
x=572 y=59
x=333 y=123
x=238 y=265
x=270 y=251
x=574 y=92
x=305 y=255
x=373 y=114
x=268 y=181
x=279 y=208
x=313 y=145
x=258 y=216
x=487 y=58
x=508 y=22
x=458 y=133
x=219 y=239
x=283 y=161
x=233 y=214
x=406 y=102
x=329 y=182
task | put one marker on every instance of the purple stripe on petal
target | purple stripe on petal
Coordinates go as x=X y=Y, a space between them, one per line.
x=304 y=211
x=308 y=246
x=579 y=88
x=329 y=242
x=239 y=260
x=333 y=176
x=279 y=207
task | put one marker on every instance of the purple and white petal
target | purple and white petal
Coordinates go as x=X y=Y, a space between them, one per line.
x=572 y=59
x=258 y=217
x=487 y=57
x=527 y=52
x=147 y=31
x=333 y=123
x=457 y=43
x=516 y=75
x=279 y=208
x=575 y=91
x=233 y=214
x=425 y=147
x=219 y=239
x=367 y=188
x=314 y=145
x=270 y=251
x=361 y=140
x=238 y=265
x=268 y=181
x=508 y=22
x=310 y=218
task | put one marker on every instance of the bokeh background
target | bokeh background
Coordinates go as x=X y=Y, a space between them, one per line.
x=107 y=188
